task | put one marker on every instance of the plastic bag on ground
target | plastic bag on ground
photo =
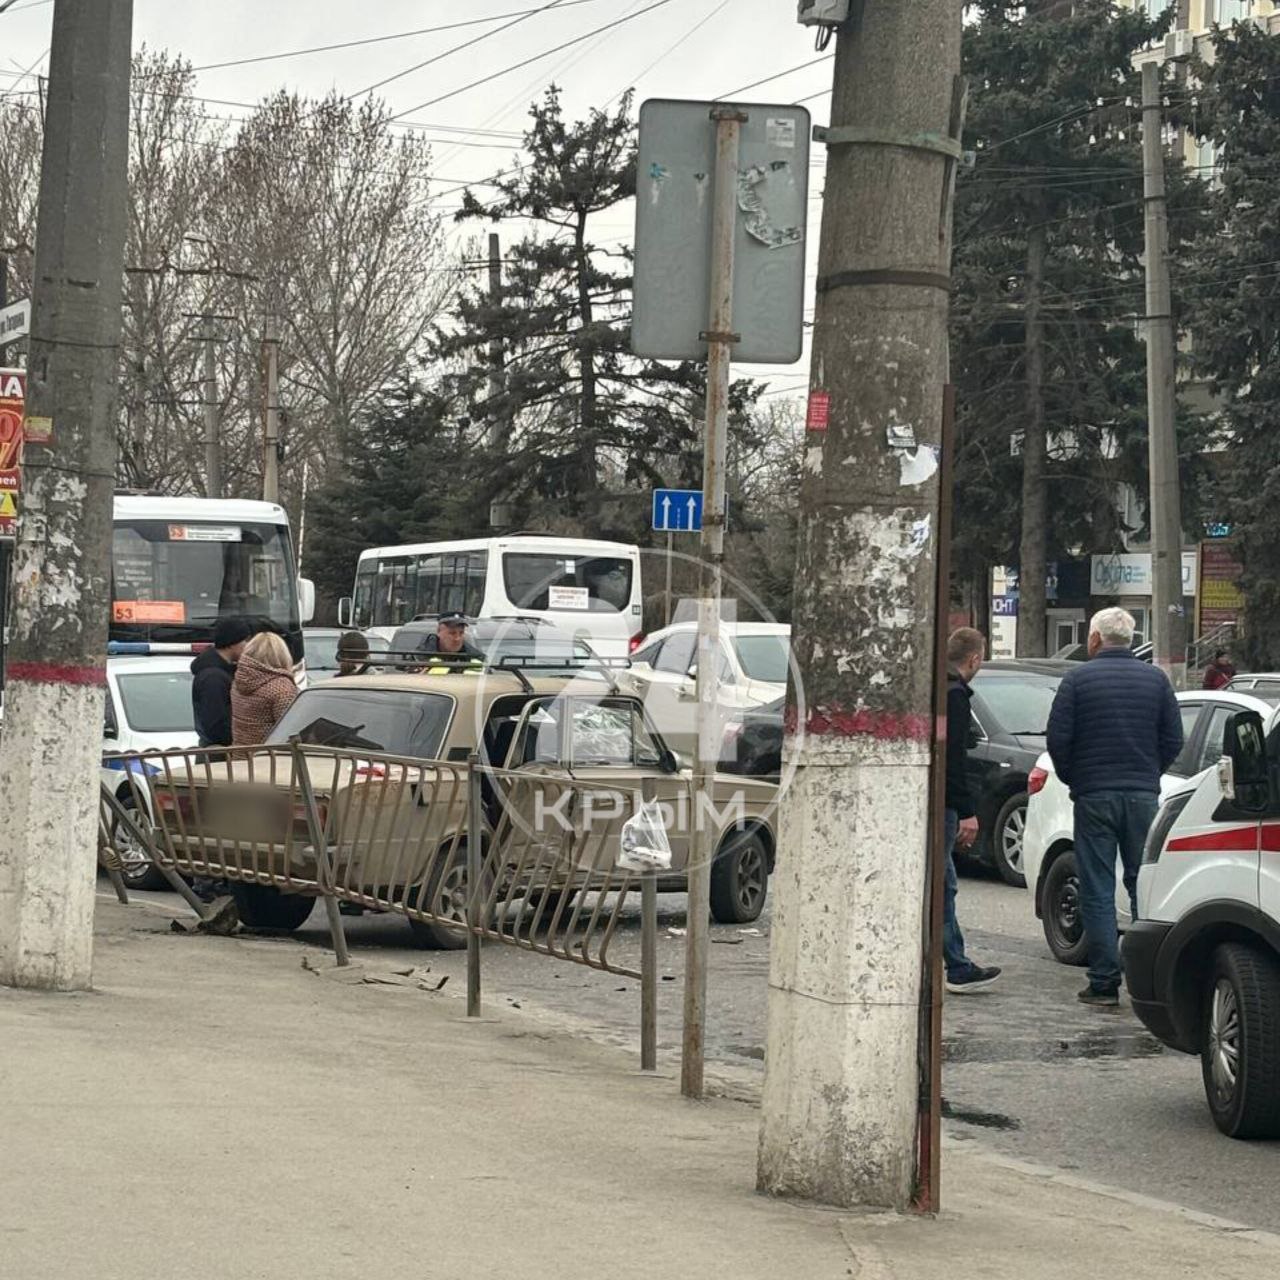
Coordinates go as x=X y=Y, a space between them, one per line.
x=645 y=846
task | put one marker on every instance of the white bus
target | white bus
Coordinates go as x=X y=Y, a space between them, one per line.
x=591 y=589
x=180 y=564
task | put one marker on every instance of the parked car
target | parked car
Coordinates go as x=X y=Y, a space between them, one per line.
x=1049 y=848
x=148 y=708
x=321 y=645
x=1262 y=684
x=523 y=640
x=582 y=731
x=754 y=660
x=1202 y=962
x=1010 y=713
x=753 y=741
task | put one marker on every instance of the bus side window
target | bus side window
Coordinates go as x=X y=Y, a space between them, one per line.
x=362 y=607
x=477 y=562
x=429 y=573
x=453 y=585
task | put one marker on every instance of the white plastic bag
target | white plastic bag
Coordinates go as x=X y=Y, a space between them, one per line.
x=645 y=846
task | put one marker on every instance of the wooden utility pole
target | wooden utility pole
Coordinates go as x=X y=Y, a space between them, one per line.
x=51 y=749
x=1168 y=618
x=842 y=1079
x=270 y=411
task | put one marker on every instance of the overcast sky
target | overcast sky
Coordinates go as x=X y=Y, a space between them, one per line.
x=680 y=48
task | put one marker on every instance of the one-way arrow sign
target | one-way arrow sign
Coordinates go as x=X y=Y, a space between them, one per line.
x=677 y=510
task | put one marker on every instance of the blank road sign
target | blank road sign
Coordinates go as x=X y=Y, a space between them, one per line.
x=677 y=510
x=674 y=181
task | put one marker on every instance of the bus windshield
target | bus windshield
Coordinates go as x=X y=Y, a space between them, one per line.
x=172 y=582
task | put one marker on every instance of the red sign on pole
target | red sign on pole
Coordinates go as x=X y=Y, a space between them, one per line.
x=13 y=399
x=819 y=414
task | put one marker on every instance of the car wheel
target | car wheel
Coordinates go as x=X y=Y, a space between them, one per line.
x=262 y=907
x=135 y=867
x=1240 y=1042
x=1061 y=913
x=739 y=879
x=1008 y=838
x=446 y=893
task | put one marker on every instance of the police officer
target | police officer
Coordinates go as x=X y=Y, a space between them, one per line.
x=450 y=637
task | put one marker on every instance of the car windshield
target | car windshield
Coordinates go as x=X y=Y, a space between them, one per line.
x=391 y=720
x=1020 y=701
x=158 y=702
x=763 y=658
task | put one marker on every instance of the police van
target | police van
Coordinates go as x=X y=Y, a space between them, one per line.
x=1202 y=962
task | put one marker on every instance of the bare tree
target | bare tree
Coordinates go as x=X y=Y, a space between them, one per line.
x=19 y=186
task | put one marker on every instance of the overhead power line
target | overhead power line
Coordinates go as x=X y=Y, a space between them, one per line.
x=778 y=75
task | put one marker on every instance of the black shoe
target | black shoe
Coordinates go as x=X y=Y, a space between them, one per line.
x=976 y=979
x=1099 y=999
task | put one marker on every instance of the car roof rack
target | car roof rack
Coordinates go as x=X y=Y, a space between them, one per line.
x=407 y=660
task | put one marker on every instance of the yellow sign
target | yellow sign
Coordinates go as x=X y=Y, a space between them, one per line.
x=8 y=504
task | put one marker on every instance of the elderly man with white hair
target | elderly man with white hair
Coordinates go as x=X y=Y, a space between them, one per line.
x=1114 y=729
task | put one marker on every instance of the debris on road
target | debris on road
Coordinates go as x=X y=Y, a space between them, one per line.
x=221 y=919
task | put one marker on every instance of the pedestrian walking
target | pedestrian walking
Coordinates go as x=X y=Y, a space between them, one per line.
x=213 y=671
x=1113 y=730
x=965 y=651
x=1220 y=672
x=263 y=689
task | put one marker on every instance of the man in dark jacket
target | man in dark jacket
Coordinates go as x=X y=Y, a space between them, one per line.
x=214 y=670
x=1113 y=730
x=450 y=637
x=965 y=650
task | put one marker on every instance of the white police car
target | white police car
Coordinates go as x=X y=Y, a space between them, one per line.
x=148 y=707
x=1202 y=961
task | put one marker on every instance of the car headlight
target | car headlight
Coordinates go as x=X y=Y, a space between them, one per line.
x=1166 y=816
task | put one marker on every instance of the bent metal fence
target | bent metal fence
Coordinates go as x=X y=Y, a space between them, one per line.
x=285 y=824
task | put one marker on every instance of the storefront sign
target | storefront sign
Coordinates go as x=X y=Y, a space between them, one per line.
x=1221 y=601
x=1129 y=574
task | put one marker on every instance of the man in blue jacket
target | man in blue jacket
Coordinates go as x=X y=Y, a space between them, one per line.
x=1113 y=730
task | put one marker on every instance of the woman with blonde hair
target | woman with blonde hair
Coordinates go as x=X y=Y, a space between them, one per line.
x=263 y=689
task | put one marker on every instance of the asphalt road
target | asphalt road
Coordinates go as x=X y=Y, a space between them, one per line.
x=1028 y=1070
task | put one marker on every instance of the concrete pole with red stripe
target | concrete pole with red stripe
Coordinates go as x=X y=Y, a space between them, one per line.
x=842 y=1080
x=52 y=741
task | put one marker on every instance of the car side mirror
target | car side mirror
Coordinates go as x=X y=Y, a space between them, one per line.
x=1243 y=772
x=669 y=762
x=344 y=612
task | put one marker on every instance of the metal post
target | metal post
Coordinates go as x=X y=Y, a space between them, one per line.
x=212 y=440
x=666 y=595
x=271 y=411
x=649 y=971
x=1168 y=620
x=145 y=839
x=320 y=844
x=475 y=881
x=62 y=559
x=720 y=340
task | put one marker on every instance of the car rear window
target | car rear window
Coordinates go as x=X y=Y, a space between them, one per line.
x=763 y=658
x=391 y=720
x=1019 y=701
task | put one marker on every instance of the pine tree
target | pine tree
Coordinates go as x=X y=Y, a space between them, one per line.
x=1235 y=290
x=1048 y=236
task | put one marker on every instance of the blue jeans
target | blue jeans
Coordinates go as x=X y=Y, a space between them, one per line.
x=1107 y=821
x=958 y=964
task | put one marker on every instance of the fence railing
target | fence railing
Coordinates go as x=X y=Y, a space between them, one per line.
x=463 y=852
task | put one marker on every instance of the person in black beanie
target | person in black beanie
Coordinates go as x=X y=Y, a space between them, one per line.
x=214 y=671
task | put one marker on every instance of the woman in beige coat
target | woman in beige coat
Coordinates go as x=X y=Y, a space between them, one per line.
x=263 y=689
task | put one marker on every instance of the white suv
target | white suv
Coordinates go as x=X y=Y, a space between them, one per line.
x=1048 y=848
x=1202 y=961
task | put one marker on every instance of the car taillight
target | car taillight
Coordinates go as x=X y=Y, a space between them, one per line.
x=1036 y=780
x=635 y=642
x=1158 y=833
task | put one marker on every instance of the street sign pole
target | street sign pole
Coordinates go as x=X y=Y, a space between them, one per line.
x=666 y=595
x=720 y=340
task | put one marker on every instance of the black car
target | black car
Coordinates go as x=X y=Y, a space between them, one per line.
x=1010 y=707
x=753 y=742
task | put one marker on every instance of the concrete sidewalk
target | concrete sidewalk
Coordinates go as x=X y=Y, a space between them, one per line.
x=215 y=1109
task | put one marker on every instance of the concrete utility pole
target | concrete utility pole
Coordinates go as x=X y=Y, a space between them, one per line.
x=709 y=726
x=50 y=750
x=842 y=1072
x=212 y=435
x=1168 y=619
x=270 y=411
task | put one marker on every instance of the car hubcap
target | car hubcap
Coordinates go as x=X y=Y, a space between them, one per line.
x=134 y=863
x=1069 y=910
x=1224 y=1041
x=751 y=878
x=1011 y=838
x=453 y=894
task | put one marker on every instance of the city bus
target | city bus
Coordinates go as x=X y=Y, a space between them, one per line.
x=590 y=589
x=180 y=564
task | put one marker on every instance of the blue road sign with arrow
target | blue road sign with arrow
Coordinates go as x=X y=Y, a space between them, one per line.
x=677 y=510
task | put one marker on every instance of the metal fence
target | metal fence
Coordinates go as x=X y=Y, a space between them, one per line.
x=285 y=824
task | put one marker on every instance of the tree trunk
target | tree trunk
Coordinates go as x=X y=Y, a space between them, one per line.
x=1032 y=568
x=588 y=425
